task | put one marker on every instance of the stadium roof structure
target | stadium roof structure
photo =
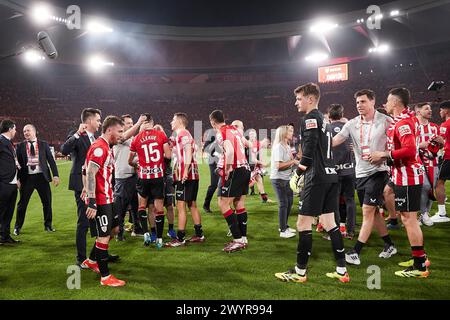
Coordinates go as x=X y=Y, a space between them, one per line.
x=167 y=38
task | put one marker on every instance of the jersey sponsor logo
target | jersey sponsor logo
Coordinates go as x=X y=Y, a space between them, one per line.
x=151 y=170
x=98 y=152
x=345 y=166
x=330 y=171
x=311 y=124
x=404 y=130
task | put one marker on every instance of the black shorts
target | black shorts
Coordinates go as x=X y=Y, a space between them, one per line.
x=186 y=191
x=407 y=198
x=237 y=184
x=105 y=220
x=347 y=186
x=319 y=199
x=151 y=189
x=169 y=192
x=444 y=170
x=370 y=189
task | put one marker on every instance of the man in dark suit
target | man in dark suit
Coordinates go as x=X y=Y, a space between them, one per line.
x=34 y=156
x=8 y=179
x=77 y=145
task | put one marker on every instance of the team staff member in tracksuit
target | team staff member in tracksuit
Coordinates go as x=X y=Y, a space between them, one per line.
x=212 y=148
x=345 y=166
x=125 y=193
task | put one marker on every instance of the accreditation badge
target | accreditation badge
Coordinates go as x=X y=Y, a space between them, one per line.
x=365 y=153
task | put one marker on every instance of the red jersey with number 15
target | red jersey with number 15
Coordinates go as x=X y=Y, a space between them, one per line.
x=232 y=134
x=102 y=155
x=184 y=141
x=149 y=146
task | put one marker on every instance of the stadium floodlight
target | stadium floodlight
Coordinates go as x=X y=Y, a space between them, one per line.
x=323 y=27
x=317 y=57
x=97 y=27
x=381 y=49
x=395 y=13
x=41 y=13
x=97 y=63
x=33 y=57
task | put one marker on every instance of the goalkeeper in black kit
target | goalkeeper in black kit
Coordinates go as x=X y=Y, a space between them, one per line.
x=320 y=194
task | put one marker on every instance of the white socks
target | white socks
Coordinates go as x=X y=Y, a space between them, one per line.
x=441 y=210
x=300 y=272
x=341 y=270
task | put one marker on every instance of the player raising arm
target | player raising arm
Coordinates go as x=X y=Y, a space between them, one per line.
x=151 y=147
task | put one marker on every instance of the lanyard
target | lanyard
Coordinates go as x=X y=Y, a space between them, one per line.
x=361 y=140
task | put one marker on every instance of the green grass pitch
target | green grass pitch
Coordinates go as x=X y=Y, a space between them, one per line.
x=37 y=267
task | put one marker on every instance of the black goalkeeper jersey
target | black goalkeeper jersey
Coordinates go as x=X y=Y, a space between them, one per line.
x=316 y=142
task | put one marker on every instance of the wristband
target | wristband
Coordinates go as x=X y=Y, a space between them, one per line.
x=92 y=203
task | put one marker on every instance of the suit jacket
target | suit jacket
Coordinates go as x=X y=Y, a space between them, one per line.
x=7 y=160
x=77 y=148
x=45 y=159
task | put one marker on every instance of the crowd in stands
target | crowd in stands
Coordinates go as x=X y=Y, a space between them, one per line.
x=54 y=108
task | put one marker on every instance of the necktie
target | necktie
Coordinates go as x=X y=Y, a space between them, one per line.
x=92 y=139
x=33 y=153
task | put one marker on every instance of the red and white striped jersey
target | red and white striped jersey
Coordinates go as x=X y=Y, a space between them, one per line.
x=444 y=131
x=149 y=146
x=185 y=142
x=407 y=169
x=102 y=156
x=232 y=134
x=427 y=132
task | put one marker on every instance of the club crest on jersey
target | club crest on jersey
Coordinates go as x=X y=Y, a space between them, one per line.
x=443 y=130
x=337 y=129
x=98 y=152
x=404 y=130
x=184 y=140
x=104 y=228
x=311 y=124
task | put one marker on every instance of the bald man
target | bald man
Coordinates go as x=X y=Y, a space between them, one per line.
x=34 y=157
